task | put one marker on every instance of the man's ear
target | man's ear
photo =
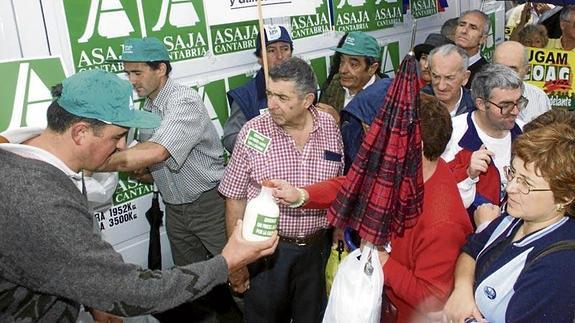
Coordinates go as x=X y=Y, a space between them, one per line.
x=79 y=131
x=480 y=104
x=373 y=68
x=466 y=75
x=308 y=99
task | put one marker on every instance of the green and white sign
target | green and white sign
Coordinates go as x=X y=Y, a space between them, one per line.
x=366 y=15
x=128 y=190
x=390 y=58
x=352 y=15
x=387 y=13
x=257 y=141
x=97 y=29
x=235 y=37
x=488 y=47
x=423 y=8
x=311 y=25
x=25 y=92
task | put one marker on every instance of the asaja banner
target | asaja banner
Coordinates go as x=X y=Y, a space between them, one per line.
x=423 y=8
x=228 y=11
x=552 y=71
x=97 y=29
x=25 y=93
x=231 y=38
x=311 y=25
x=366 y=15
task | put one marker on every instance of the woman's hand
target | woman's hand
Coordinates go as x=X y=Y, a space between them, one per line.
x=284 y=192
x=461 y=305
x=486 y=213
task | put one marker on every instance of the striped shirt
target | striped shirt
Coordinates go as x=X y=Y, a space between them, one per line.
x=321 y=158
x=539 y=103
x=196 y=161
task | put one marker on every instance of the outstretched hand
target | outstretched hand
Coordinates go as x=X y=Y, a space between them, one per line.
x=284 y=192
x=239 y=252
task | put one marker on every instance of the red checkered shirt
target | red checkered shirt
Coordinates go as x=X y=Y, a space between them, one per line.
x=321 y=158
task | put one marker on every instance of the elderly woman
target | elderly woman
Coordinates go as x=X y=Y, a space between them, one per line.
x=419 y=270
x=532 y=36
x=514 y=271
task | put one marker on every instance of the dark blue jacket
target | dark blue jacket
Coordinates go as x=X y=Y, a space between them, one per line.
x=362 y=109
x=251 y=97
x=466 y=105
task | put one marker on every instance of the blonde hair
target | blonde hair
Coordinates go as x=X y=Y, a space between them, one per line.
x=551 y=151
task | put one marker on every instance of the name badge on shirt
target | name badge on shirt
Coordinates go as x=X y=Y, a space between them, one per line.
x=257 y=141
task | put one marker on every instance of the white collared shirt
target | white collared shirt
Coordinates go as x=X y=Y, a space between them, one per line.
x=456 y=106
x=473 y=59
x=349 y=97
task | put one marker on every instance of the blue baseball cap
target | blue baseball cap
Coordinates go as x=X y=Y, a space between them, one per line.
x=101 y=95
x=147 y=49
x=273 y=34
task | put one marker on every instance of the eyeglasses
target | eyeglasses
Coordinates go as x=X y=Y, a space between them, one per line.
x=522 y=185
x=507 y=107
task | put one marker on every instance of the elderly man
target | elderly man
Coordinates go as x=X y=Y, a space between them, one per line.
x=359 y=63
x=51 y=259
x=249 y=100
x=296 y=142
x=567 y=25
x=470 y=34
x=480 y=146
x=514 y=55
x=449 y=75
x=184 y=155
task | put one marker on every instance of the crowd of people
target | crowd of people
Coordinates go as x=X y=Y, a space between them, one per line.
x=494 y=241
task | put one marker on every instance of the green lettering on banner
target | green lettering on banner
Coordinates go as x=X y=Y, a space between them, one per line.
x=387 y=13
x=257 y=141
x=97 y=29
x=128 y=190
x=311 y=25
x=423 y=8
x=25 y=91
x=235 y=37
x=488 y=47
x=353 y=15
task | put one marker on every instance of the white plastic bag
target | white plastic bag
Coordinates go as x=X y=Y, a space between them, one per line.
x=357 y=289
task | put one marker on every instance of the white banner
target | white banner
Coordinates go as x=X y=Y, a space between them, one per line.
x=220 y=12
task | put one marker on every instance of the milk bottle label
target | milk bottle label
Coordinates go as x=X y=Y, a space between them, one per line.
x=265 y=225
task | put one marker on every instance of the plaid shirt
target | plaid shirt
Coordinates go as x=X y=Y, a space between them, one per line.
x=321 y=158
x=196 y=161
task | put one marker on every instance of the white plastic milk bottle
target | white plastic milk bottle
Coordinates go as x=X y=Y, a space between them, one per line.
x=261 y=216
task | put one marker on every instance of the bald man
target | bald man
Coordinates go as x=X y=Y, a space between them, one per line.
x=514 y=55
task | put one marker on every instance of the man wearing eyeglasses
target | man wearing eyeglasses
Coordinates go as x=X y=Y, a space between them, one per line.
x=480 y=145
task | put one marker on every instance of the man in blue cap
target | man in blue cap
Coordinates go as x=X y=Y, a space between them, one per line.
x=359 y=65
x=51 y=260
x=184 y=155
x=248 y=100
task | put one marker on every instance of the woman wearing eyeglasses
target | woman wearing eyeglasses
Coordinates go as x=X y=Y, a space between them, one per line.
x=521 y=267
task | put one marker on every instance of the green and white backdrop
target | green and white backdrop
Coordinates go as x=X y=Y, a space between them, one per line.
x=55 y=38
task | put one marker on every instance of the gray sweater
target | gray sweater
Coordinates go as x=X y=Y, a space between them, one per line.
x=51 y=261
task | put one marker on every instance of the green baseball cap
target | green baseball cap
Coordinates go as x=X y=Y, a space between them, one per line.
x=147 y=49
x=358 y=43
x=101 y=95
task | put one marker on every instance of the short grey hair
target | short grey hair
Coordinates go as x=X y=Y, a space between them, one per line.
x=486 y=21
x=566 y=12
x=448 y=49
x=494 y=76
x=298 y=71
